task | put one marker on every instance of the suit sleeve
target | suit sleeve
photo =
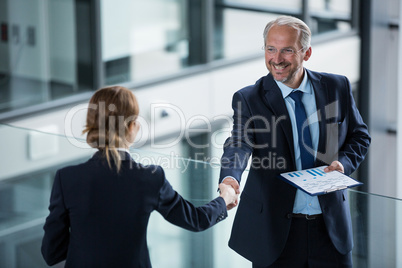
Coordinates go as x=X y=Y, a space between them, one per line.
x=239 y=146
x=357 y=141
x=178 y=211
x=56 y=238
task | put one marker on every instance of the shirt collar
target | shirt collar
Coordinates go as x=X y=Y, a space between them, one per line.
x=287 y=90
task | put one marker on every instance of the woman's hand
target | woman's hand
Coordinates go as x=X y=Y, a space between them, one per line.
x=228 y=193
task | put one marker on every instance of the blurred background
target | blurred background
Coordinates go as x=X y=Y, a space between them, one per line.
x=184 y=59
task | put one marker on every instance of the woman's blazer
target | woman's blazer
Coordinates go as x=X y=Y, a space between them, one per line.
x=98 y=217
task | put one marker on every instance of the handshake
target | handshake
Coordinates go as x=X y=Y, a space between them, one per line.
x=229 y=191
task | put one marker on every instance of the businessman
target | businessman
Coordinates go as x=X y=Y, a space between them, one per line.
x=292 y=119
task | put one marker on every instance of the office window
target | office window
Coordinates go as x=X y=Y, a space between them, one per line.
x=53 y=51
x=143 y=39
x=45 y=51
x=330 y=15
x=288 y=4
x=336 y=6
x=239 y=23
x=239 y=39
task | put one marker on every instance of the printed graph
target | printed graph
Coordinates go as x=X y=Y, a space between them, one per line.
x=316 y=181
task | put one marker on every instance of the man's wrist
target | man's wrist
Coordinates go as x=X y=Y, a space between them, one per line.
x=229 y=177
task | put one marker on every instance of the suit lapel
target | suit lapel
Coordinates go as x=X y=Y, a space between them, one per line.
x=321 y=99
x=322 y=102
x=273 y=99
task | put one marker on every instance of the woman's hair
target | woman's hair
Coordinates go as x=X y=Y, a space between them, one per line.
x=110 y=113
x=299 y=25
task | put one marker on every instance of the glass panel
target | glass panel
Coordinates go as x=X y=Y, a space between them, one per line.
x=330 y=15
x=238 y=30
x=144 y=38
x=27 y=176
x=377 y=226
x=38 y=51
x=26 y=179
x=272 y=3
x=235 y=38
x=341 y=6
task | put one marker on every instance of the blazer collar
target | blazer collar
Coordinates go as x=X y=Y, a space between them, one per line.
x=273 y=99
x=321 y=99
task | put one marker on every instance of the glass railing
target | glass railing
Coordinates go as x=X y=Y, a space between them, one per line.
x=29 y=160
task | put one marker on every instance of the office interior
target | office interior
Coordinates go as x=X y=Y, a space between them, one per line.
x=184 y=59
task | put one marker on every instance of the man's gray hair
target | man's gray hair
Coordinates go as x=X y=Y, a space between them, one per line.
x=299 y=25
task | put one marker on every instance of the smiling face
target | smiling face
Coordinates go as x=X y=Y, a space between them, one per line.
x=287 y=69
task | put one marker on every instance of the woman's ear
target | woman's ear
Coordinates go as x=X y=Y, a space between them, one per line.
x=133 y=128
x=136 y=126
x=131 y=133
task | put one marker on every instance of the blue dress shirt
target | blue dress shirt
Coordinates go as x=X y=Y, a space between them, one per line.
x=304 y=203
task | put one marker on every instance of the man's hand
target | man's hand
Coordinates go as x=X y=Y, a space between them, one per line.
x=232 y=182
x=336 y=165
x=229 y=195
x=235 y=185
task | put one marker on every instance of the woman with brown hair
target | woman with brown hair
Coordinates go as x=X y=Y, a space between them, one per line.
x=99 y=210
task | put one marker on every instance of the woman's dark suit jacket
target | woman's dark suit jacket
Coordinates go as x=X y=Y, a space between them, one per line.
x=99 y=218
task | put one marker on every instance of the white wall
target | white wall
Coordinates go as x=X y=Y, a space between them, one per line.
x=398 y=98
x=116 y=42
x=62 y=41
x=384 y=234
x=30 y=61
x=52 y=56
x=383 y=101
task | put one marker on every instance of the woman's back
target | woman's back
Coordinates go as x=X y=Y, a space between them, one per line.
x=99 y=210
x=108 y=212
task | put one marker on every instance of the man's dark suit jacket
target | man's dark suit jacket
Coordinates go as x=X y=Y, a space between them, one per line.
x=99 y=218
x=262 y=129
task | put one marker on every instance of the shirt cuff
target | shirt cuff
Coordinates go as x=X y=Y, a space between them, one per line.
x=228 y=177
x=225 y=178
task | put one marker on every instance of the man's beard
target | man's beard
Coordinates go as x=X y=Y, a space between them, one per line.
x=290 y=78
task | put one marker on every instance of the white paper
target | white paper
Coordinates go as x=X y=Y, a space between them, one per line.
x=316 y=181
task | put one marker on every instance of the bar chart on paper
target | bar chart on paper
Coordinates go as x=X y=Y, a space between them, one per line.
x=314 y=172
x=316 y=181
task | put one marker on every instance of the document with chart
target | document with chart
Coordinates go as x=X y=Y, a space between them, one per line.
x=316 y=181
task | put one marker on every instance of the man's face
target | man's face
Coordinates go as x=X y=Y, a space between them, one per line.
x=285 y=68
